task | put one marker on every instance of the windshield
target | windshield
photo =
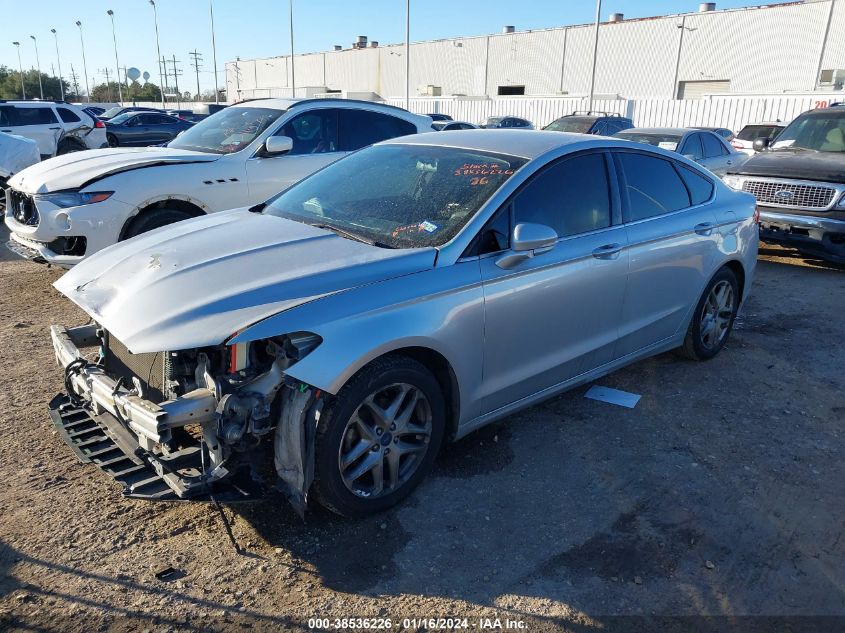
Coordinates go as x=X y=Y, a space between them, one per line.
x=823 y=132
x=578 y=124
x=663 y=141
x=111 y=112
x=120 y=118
x=227 y=131
x=751 y=132
x=398 y=196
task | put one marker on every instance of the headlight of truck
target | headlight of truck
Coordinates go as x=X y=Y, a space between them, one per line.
x=65 y=199
x=841 y=203
x=734 y=182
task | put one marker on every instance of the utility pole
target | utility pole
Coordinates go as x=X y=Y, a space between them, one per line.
x=176 y=73
x=38 y=61
x=165 y=77
x=105 y=71
x=408 y=55
x=595 y=55
x=110 y=13
x=20 y=65
x=59 y=59
x=214 y=53
x=197 y=57
x=292 y=75
x=84 y=63
x=74 y=77
x=158 y=51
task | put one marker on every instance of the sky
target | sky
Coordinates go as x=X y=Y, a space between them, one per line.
x=260 y=28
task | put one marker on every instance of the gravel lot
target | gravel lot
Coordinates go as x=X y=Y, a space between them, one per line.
x=721 y=493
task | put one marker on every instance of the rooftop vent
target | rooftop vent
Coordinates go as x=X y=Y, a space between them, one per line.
x=361 y=42
x=338 y=47
x=373 y=44
x=508 y=29
x=704 y=7
x=616 y=17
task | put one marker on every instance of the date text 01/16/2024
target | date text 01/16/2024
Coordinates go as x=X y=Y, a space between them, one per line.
x=434 y=623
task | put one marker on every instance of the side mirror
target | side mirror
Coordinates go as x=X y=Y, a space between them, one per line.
x=277 y=145
x=761 y=143
x=528 y=239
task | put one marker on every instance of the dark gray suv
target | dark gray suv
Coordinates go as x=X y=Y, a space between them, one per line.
x=590 y=122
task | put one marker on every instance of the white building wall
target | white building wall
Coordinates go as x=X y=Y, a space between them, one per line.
x=764 y=49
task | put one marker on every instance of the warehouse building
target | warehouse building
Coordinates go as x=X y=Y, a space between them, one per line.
x=781 y=48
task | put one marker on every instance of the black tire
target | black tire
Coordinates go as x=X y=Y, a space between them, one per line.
x=154 y=219
x=112 y=140
x=696 y=346
x=329 y=487
x=68 y=145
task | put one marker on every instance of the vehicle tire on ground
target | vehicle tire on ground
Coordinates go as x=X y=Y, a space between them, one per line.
x=713 y=318
x=112 y=139
x=379 y=437
x=154 y=219
x=68 y=145
x=2 y=195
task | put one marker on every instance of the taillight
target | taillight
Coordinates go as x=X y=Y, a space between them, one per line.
x=99 y=124
x=736 y=145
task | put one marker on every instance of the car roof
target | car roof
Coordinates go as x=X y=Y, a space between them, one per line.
x=525 y=143
x=661 y=130
x=768 y=123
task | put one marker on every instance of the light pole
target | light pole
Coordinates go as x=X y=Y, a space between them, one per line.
x=408 y=55
x=117 y=63
x=595 y=53
x=214 y=52
x=84 y=64
x=292 y=75
x=38 y=63
x=59 y=58
x=20 y=65
x=158 y=50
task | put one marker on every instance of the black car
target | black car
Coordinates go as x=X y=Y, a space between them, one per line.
x=799 y=183
x=94 y=112
x=439 y=117
x=143 y=128
x=187 y=115
x=507 y=122
x=118 y=110
x=590 y=122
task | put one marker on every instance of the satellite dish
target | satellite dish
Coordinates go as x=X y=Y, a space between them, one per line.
x=133 y=73
x=146 y=76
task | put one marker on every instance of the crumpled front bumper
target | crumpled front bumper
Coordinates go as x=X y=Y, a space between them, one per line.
x=812 y=233
x=121 y=432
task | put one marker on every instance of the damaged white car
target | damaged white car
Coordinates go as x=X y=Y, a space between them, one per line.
x=66 y=208
x=407 y=294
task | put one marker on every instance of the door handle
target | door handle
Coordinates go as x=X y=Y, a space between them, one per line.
x=6 y=131
x=608 y=251
x=704 y=228
x=55 y=128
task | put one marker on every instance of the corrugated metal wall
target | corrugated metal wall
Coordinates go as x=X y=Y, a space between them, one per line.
x=768 y=49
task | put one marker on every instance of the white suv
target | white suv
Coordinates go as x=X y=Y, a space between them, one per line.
x=58 y=127
x=61 y=210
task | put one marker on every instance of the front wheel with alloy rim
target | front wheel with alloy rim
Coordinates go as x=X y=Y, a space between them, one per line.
x=379 y=437
x=714 y=316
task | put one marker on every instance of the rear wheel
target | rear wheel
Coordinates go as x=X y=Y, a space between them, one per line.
x=379 y=438
x=112 y=140
x=154 y=219
x=713 y=318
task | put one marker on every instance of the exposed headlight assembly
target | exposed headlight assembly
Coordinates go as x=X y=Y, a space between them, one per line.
x=734 y=182
x=65 y=199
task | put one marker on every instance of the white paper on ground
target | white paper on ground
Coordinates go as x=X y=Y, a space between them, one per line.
x=613 y=396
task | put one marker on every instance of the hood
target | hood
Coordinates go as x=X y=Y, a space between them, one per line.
x=795 y=163
x=75 y=170
x=197 y=282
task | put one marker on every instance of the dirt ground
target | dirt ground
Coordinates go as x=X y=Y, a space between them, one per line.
x=720 y=494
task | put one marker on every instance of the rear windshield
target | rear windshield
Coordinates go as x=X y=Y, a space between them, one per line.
x=664 y=141
x=751 y=132
x=577 y=124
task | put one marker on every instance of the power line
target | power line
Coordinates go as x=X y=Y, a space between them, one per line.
x=74 y=77
x=197 y=57
x=176 y=72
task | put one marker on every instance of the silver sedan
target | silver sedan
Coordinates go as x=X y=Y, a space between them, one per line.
x=399 y=298
x=704 y=146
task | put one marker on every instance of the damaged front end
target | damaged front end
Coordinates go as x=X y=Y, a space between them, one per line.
x=191 y=423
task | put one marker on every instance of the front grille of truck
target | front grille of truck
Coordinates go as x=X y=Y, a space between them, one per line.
x=791 y=195
x=23 y=208
x=152 y=369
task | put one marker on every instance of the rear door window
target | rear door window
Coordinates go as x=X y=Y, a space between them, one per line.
x=359 y=128
x=653 y=186
x=68 y=116
x=692 y=147
x=571 y=196
x=713 y=147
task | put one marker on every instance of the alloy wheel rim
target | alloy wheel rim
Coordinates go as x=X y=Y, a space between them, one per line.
x=385 y=440
x=716 y=315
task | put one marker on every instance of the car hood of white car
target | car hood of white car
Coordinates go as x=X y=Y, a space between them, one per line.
x=78 y=169
x=197 y=282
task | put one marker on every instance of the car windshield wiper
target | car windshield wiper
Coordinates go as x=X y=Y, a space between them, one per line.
x=351 y=236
